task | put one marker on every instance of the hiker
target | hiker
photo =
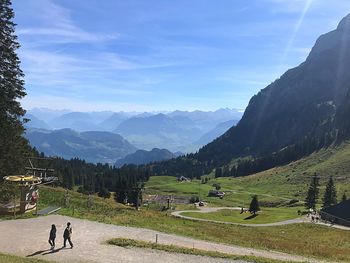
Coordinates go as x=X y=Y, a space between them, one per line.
x=67 y=234
x=52 y=236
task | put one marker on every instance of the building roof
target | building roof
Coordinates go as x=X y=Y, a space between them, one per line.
x=341 y=210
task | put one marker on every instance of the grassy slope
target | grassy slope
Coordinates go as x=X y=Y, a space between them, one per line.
x=289 y=181
x=4 y=258
x=126 y=243
x=303 y=239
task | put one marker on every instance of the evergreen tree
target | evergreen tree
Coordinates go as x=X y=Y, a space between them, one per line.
x=7 y=192
x=330 y=195
x=254 y=205
x=218 y=172
x=13 y=147
x=344 y=198
x=312 y=193
x=217 y=186
x=104 y=193
x=67 y=178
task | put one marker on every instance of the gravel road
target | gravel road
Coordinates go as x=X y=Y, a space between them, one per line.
x=214 y=209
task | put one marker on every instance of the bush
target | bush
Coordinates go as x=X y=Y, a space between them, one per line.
x=217 y=186
x=7 y=192
x=82 y=190
x=194 y=199
x=104 y=193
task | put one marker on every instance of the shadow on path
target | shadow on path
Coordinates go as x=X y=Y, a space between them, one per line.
x=251 y=216
x=45 y=252
x=53 y=251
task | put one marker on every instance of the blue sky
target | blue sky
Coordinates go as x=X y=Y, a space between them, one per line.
x=154 y=55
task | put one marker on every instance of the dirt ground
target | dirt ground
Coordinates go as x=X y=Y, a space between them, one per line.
x=29 y=238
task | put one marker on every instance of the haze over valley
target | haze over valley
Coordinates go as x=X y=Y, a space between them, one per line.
x=107 y=136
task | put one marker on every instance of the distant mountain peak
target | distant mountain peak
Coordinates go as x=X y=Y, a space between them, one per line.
x=344 y=23
x=338 y=38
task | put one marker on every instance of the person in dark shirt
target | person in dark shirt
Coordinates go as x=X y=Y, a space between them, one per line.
x=52 y=236
x=67 y=234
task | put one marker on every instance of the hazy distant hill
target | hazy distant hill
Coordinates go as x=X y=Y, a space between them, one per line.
x=80 y=121
x=112 y=122
x=91 y=146
x=144 y=157
x=159 y=131
x=46 y=114
x=219 y=130
x=208 y=120
x=34 y=122
x=176 y=131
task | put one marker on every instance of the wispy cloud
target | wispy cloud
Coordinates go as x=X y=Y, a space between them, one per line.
x=118 y=52
x=57 y=26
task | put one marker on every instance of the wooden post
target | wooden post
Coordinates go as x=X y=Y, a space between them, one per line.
x=137 y=198
x=156 y=239
x=37 y=204
x=22 y=204
x=14 y=206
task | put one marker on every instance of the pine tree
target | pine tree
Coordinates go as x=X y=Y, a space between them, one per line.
x=218 y=172
x=344 y=198
x=104 y=193
x=312 y=193
x=330 y=195
x=254 y=205
x=12 y=145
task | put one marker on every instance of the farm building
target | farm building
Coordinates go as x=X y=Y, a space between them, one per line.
x=183 y=179
x=337 y=214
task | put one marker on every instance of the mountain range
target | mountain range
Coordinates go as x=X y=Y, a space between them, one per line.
x=175 y=131
x=93 y=146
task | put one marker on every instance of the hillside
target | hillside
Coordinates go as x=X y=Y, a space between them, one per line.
x=93 y=147
x=144 y=157
x=301 y=103
x=273 y=186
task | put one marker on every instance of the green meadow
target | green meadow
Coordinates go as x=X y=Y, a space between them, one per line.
x=267 y=215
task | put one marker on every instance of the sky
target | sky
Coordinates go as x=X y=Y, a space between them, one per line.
x=163 y=55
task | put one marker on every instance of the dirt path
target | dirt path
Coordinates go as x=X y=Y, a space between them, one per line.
x=214 y=209
x=303 y=219
x=28 y=237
